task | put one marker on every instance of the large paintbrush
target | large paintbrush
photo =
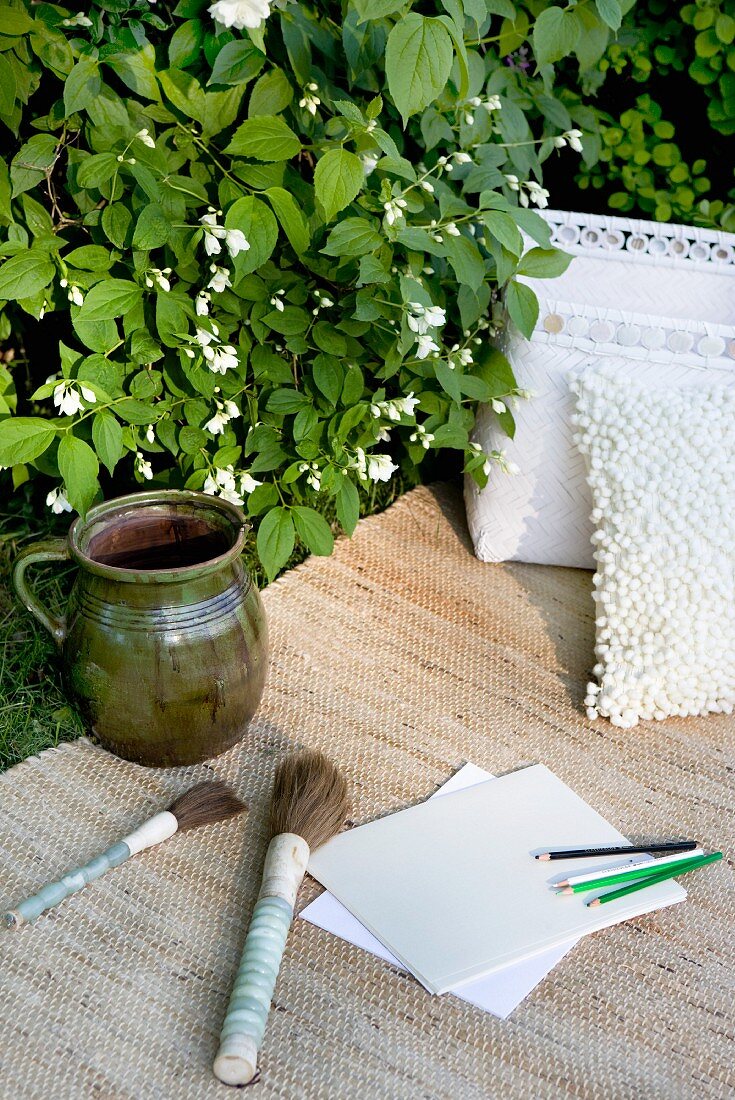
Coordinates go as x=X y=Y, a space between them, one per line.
x=204 y=804
x=308 y=807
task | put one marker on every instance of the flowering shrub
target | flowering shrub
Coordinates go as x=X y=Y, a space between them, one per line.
x=644 y=164
x=264 y=248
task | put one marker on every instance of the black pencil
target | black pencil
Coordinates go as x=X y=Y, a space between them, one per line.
x=628 y=849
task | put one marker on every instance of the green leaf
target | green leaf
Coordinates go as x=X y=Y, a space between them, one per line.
x=555 y=35
x=275 y=541
x=108 y=439
x=338 y=177
x=286 y=401
x=23 y=438
x=328 y=377
x=544 y=263
x=256 y=221
x=377 y=9
x=236 y=63
x=265 y=138
x=116 y=219
x=89 y=257
x=313 y=530
x=152 y=229
x=24 y=275
x=522 y=306
x=610 y=13
x=348 y=505
x=186 y=44
x=449 y=380
x=291 y=217
x=353 y=237
x=271 y=94
x=109 y=299
x=82 y=85
x=15 y=21
x=467 y=263
x=79 y=468
x=97 y=169
x=31 y=162
x=418 y=60
x=504 y=229
x=534 y=225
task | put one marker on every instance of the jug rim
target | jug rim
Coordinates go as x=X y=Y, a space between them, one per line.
x=178 y=573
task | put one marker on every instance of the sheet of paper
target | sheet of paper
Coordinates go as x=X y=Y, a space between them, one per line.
x=499 y=993
x=451 y=886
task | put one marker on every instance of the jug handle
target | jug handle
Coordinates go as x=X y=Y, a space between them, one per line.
x=47 y=550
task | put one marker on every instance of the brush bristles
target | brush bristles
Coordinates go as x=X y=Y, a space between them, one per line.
x=205 y=804
x=309 y=798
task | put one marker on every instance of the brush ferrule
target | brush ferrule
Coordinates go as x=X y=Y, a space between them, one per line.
x=153 y=831
x=285 y=867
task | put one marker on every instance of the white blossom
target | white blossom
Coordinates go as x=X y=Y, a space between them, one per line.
x=492 y=103
x=498 y=406
x=143 y=466
x=236 y=242
x=422 y=436
x=220 y=279
x=159 y=276
x=425 y=345
x=78 y=20
x=146 y=138
x=75 y=295
x=427 y=186
x=452 y=230
x=248 y=483
x=57 y=502
x=150 y=434
x=201 y=304
x=309 y=100
x=369 y=161
x=380 y=467
x=67 y=399
x=394 y=210
x=573 y=137
x=226 y=411
x=214 y=233
x=221 y=359
x=277 y=301
x=461 y=158
x=421 y=318
x=240 y=13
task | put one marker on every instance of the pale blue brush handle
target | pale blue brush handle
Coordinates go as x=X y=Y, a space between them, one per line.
x=250 y=1002
x=54 y=892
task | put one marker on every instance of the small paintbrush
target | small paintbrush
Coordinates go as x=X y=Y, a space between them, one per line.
x=204 y=804
x=308 y=807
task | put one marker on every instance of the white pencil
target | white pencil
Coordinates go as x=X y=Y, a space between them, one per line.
x=653 y=865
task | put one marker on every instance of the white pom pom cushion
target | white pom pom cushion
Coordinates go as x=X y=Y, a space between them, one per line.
x=648 y=296
x=662 y=474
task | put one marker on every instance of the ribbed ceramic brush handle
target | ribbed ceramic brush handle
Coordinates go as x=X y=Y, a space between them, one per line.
x=250 y=1001
x=153 y=831
x=53 y=893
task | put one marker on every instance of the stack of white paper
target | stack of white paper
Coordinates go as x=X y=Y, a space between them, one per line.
x=452 y=890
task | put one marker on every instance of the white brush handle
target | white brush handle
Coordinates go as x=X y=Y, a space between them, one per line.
x=247 y=1013
x=158 y=828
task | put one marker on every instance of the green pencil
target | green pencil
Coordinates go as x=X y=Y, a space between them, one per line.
x=642 y=870
x=673 y=872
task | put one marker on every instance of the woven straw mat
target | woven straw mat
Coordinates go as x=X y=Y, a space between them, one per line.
x=402 y=657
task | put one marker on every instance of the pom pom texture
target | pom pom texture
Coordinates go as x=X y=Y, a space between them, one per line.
x=661 y=467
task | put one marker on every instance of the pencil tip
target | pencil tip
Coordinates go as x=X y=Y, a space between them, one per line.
x=567 y=890
x=593 y=904
x=544 y=858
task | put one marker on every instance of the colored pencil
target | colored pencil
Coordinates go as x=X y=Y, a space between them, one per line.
x=652 y=880
x=624 y=850
x=628 y=874
x=629 y=865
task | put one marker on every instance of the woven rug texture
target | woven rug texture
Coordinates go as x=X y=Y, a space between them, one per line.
x=402 y=657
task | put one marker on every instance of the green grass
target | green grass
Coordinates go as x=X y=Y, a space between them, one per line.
x=34 y=712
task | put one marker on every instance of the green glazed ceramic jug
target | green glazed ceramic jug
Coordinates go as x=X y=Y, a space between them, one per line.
x=164 y=644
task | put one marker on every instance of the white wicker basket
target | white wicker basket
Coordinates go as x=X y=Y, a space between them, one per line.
x=657 y=298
